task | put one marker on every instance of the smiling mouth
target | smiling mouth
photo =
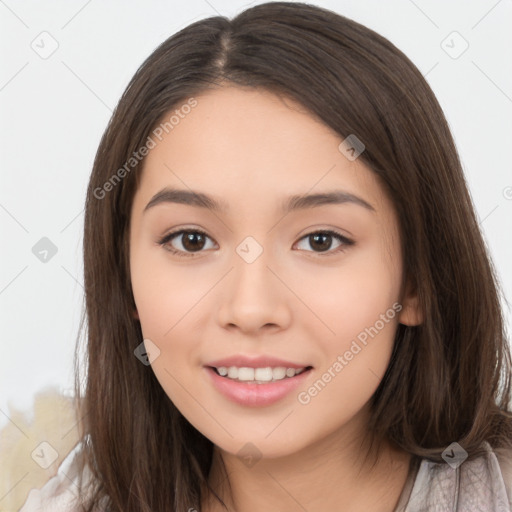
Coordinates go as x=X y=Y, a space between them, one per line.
x=262 y=375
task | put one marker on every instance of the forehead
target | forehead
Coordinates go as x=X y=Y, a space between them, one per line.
x=245 y=144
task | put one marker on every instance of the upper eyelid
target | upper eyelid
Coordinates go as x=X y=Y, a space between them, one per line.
x=197 y=230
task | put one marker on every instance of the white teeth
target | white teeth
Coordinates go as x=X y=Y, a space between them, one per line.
x=266 y=374
x=279 y=372
x=245 y=373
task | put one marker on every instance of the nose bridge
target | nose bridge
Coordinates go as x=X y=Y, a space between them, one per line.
x=255 y=297
x=252 y=277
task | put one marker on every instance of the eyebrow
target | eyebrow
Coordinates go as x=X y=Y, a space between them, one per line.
x=292 y=203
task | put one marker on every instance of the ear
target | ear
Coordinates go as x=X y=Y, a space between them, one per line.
x=135 y=314
x=411 y=313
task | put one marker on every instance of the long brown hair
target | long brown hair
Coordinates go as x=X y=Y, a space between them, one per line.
x=448 y=378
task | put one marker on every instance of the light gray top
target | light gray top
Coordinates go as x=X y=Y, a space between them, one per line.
x=480 y=485
x=483 y=484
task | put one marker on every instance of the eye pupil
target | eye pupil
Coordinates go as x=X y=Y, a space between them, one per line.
x=320 y=239
x=191 y=239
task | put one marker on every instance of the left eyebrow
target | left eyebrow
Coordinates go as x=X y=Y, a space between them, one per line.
x=292 y=203
x=300 y=202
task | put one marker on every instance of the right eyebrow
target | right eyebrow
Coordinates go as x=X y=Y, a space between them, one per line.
x=189 y=197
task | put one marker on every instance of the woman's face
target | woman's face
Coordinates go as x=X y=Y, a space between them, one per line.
x=259 y=277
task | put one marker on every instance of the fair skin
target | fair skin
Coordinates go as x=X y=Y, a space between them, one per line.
x=251 y=150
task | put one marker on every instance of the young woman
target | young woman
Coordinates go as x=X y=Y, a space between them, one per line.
x=289 y=303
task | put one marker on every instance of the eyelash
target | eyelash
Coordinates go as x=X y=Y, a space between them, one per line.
x=341 y=238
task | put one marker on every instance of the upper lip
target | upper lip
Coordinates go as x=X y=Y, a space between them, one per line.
x=261 y=361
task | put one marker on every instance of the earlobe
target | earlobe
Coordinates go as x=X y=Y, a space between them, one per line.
x=411 y=313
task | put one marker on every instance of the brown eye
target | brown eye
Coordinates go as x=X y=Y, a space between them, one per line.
x=185 y=242
x=322 y=241
x=193 y=241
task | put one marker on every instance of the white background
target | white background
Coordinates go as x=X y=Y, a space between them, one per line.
x=53 y=112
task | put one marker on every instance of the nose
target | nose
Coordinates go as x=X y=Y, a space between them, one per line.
x=254 y=298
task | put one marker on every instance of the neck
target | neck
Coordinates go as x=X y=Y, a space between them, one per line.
x=331 y=474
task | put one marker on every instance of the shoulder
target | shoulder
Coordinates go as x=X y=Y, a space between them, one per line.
x=480 y=483
x=60 y=493
x=504 y=457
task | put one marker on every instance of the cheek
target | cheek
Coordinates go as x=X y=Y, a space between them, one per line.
x=164 y=294
x=358 y=306
x=361 y=309
x=350 y=298
x=170 y=301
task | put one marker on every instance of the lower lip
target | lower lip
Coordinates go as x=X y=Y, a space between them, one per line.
x=252 y=394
